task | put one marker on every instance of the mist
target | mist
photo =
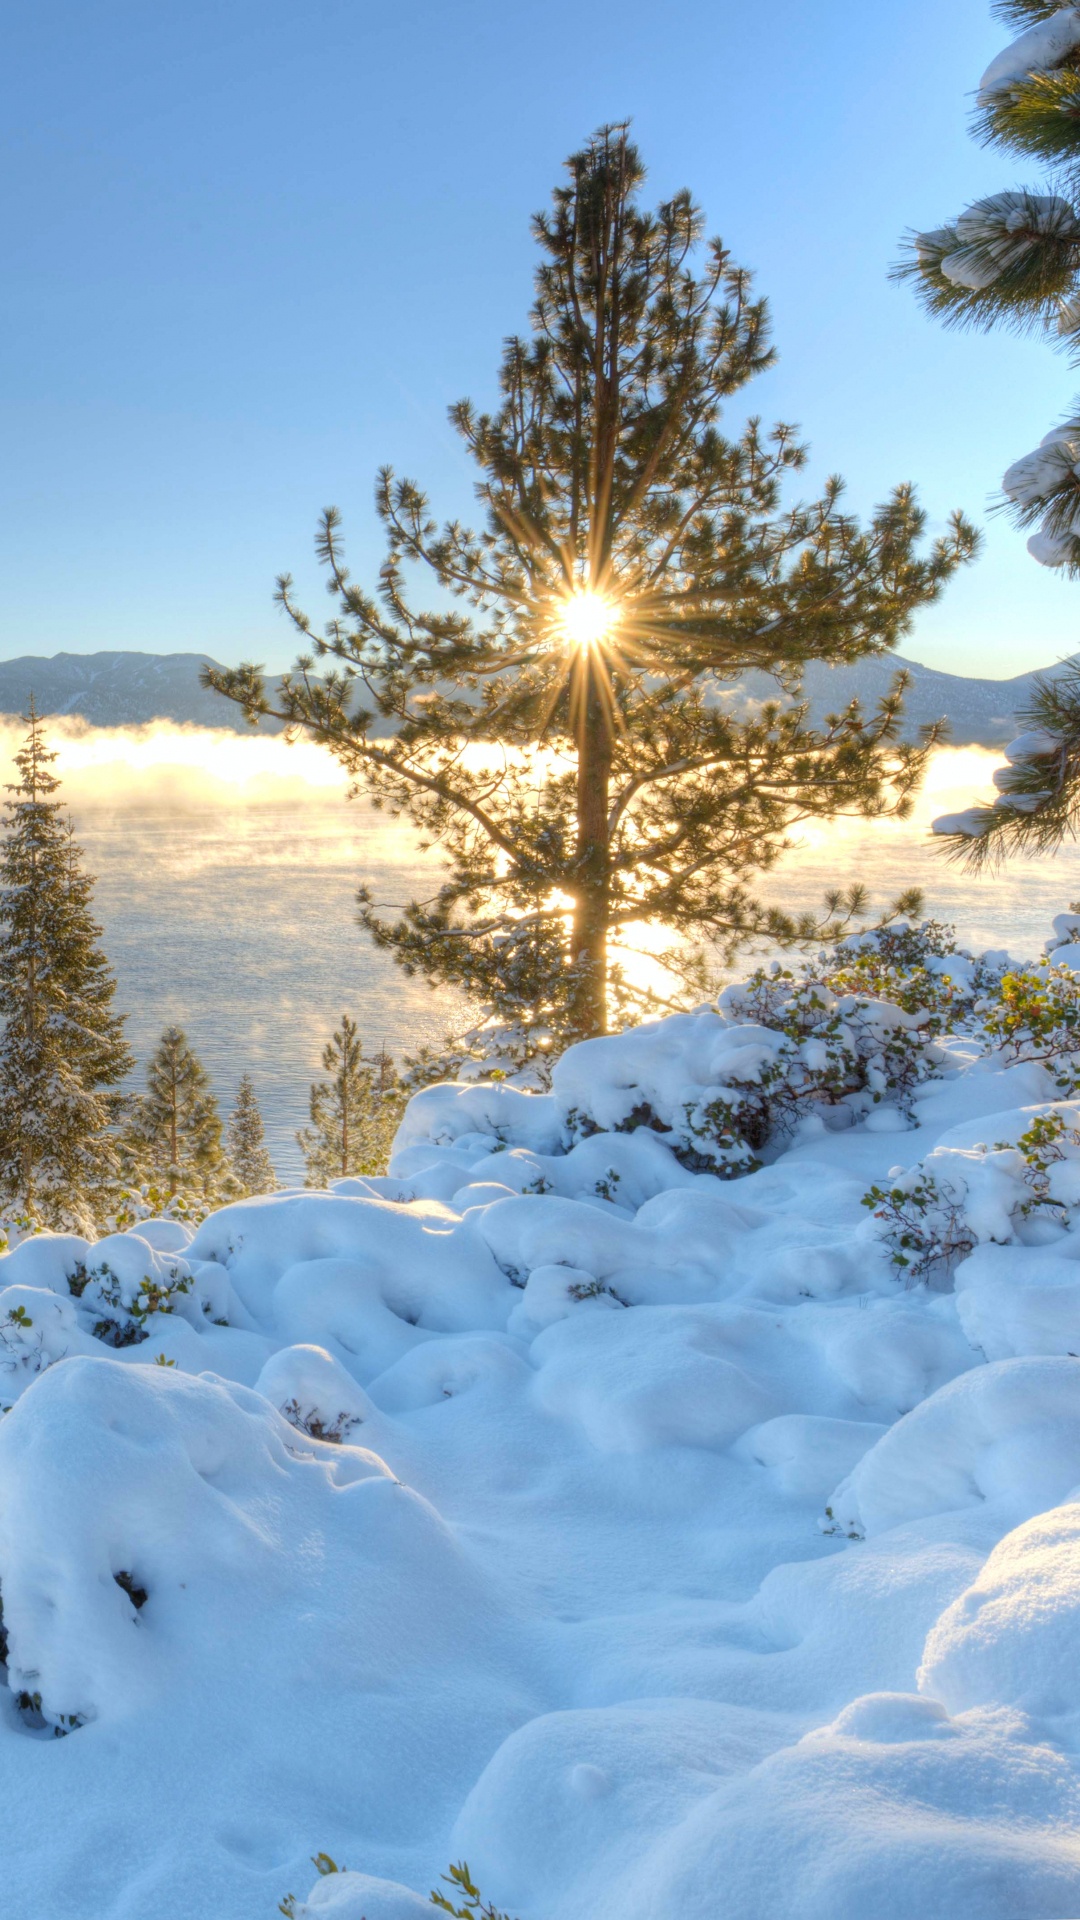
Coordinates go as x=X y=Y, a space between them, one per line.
x=164 y=764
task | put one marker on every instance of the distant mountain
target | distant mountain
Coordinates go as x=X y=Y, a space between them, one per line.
x=980 y=712
x=126 y=689
x=117 y=689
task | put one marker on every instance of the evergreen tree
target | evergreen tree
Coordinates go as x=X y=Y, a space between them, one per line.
x=174 y=1134
x=562 y=730
x=1013 y=259
x=354 y=1114
x=62 y=1050
x=251 y=1163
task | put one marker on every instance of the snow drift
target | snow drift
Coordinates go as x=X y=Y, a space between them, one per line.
x=663 y=1484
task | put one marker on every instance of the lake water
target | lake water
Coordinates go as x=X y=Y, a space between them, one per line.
x=240 y=927
x=227 y=869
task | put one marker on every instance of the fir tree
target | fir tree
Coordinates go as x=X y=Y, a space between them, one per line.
x=354 y=1113
x=62 y=1050
x=1012 y=259
x=174 y=1134
x=562 y=731
x=251 y=1163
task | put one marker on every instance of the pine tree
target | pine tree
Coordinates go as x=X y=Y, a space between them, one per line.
x=1012 y=259
x=354 y=1114
x=251 y=1163
x=562 y=730
x=62 y=1050
x=174 y=1135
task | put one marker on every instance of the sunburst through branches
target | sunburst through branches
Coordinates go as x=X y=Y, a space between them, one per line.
x=587 y=618
x=586 y=625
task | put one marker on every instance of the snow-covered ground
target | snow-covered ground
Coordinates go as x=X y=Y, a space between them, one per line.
x=656 y=1541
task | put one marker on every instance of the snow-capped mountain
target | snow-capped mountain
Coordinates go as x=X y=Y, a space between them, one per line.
x=123 y=689
x=117 y=689
x=979 y=712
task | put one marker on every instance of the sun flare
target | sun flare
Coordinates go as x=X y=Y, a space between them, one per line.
x=586 y=618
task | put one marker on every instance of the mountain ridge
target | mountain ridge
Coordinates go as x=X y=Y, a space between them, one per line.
x=980 y=712
x=126 y=688
x=117 y=689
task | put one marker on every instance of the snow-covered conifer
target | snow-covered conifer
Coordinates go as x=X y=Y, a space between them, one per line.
x=251 y=1163
x=354 y=1113
x=174 y=1134
x=63 y=1048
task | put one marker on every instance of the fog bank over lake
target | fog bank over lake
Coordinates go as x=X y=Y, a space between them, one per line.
x=227 y=869
x=1010 y=909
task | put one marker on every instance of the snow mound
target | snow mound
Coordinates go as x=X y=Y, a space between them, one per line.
x=1008 y=1433
x=1021 y=1300
x=643 y=1489
x=1014 y=1636
x=648 y=1379
x=314 y=1393
x=893 y=1810
x=964 y=1819
x=182 y=1458
x=359 y=1896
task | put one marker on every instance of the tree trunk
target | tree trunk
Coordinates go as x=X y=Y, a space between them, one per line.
x=174 y=1136
x=590 y=925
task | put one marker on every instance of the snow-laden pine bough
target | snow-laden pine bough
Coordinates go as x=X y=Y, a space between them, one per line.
x=1012 y=258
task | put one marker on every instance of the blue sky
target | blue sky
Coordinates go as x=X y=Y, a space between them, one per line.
x=251 y=251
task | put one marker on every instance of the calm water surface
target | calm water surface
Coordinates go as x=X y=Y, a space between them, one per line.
x=228 y=907
x=240 y=927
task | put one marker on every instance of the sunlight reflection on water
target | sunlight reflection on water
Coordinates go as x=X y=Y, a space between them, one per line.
x=1010 y=909
x=226 y=876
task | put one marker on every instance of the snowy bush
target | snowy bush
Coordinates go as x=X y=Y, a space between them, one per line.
x=466 y=1902
x=315 y=1394
x=833 y=1040
x=354 y=1895
x=519 y=1048
x=119 y=1304
x=324 y=1867
x=151 y=1201
x=34 y=1331
x=1036 y=1017
x=922 y=1221
x=933 y=1216
x=861 y=1031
